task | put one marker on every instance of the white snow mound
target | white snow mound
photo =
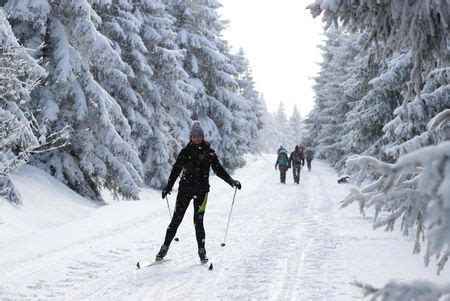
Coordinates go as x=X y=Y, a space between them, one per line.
x=46 y=202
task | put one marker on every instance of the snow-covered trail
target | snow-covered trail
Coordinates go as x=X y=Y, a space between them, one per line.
x=285 y=242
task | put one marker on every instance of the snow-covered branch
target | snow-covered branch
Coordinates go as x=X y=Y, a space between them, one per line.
x=415 y=190
x=396 y=291
x=20 y=133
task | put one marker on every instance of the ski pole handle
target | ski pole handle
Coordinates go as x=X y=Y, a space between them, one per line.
x=229 y=218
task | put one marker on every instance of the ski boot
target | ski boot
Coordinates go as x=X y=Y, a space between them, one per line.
x=202 y=255
x=162 y=252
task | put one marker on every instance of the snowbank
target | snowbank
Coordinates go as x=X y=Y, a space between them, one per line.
x=46 y=202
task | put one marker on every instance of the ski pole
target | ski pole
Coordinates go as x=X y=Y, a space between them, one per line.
x=229 y=218
x=170 y=213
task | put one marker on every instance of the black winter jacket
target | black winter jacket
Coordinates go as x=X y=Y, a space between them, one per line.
x=296 y=158
x=195 y=161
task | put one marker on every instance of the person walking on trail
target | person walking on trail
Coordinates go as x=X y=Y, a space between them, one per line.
x=296 y=160
x=195 y=161
x=282 y=163
x=309 y=156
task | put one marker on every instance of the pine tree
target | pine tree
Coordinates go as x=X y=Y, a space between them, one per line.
x=123 y=30
x=327 y=122
x=371 y=101
x=269 y=135
x=208 y=65
x=167 y=93
x=127 y=77
x=295 y=126
x=413 y=36
x=247 y=90
x=282 y=127
x=391 y=84
x=75 y=55
x=421 y=26
x=155 y=95
x=408 y=131
x=19 y=74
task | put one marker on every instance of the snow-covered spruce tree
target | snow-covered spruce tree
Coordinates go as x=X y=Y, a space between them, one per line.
x=74 y=55
x=329 y=94
x=408 y=131
x=374 y=90
x=123 y=30
x=244 y=130
x=269 y=134
x=311 y=129
x=208 y=65
x=388 y=91
x=247 y=90
x=19 y=74
x=154 y=88
x=167 y=92
x=352 y=99
x=422 y=28
x=419 y=25
x=166 y=59
x=414 y=31
x=281 y=124
x=415 y=188
x=331 y=102
x=295 y=126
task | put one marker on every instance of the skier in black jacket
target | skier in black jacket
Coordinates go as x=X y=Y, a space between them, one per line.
x=296 y=161
x=309 y=158
x=195 y=161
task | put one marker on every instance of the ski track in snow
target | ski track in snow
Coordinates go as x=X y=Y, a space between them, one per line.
x=286 y=242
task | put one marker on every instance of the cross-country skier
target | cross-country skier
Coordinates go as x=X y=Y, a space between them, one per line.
x=309 y=157
x=296 y=161
x=282 y=163
x=195 y=161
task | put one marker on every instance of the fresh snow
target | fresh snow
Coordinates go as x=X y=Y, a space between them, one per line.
x=285 y=242
x=46 y=202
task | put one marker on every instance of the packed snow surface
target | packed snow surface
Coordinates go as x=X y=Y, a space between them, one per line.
x=285 y=242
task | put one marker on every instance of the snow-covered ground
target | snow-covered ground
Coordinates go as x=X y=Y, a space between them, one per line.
x=285 y=242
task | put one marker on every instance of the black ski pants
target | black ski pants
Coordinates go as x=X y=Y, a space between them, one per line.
x=296 y=172
x=308 y=163
x=182 y=203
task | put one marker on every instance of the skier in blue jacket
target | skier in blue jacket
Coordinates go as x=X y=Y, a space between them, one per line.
x=282 y=163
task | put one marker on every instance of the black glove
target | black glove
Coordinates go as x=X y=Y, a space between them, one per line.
x=166 y=191
x=236 y=184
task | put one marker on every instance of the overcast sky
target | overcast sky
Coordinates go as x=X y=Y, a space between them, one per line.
x=280 y=39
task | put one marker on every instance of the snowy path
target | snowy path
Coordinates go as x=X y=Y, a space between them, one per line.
x=286 y=242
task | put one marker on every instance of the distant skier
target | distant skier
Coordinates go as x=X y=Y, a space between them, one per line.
x=282 y=163
x=296 y=161
x=309 y=157
x=195 y=161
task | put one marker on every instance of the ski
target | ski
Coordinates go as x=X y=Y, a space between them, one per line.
x=205 y=264
x=142 y=264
